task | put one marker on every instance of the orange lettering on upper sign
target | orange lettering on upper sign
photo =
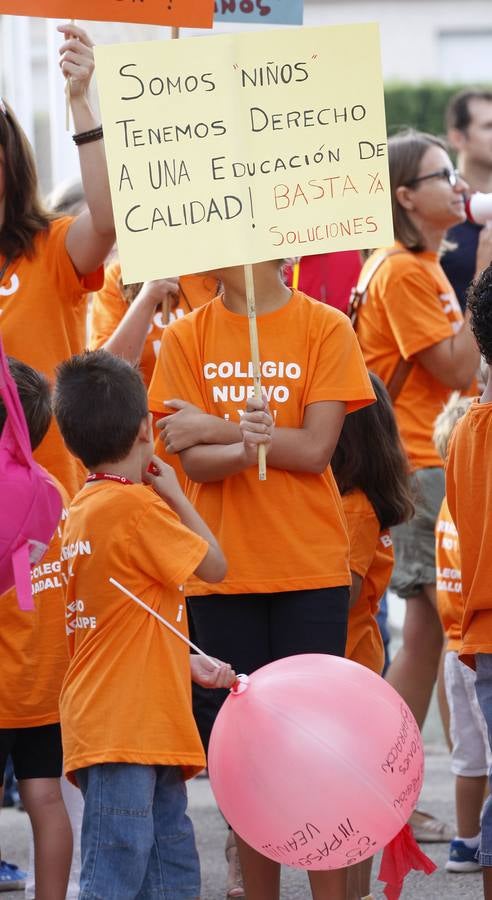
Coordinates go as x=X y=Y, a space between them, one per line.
x=191 y=13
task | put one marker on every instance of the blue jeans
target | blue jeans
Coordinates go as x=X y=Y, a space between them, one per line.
x=483 y=687
x=137 y=841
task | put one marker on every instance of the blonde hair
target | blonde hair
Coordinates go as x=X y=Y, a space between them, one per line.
x=455 y=408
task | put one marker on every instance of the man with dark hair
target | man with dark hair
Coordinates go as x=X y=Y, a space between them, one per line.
x=469 y=130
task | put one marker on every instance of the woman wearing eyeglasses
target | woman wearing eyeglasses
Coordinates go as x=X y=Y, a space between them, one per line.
x=413 y=335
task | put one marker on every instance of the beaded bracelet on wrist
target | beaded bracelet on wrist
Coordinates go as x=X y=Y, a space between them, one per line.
x=86 y=137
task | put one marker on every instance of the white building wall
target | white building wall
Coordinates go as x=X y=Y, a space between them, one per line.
x=442 y=40
x=421 y=40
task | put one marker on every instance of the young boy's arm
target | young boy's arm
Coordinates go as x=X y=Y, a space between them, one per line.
x=305 y=449
x=165 y=483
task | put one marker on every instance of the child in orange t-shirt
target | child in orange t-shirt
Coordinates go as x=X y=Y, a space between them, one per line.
x=371 y=471
x=470 y=754
x=33 y=662
x=129 y=738
x=129 y=320
x=286 y=590
x=469 y=494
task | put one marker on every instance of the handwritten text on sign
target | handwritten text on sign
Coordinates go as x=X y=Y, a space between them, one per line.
x=240 y=148
x=280 y=12
x=194 y=13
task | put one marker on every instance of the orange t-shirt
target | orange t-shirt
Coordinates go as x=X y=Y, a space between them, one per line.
x=469 y=494
x=42 y=321
x=410 y=306
x=109 y=307
x=287 y=533
x=371 y=557
x=127 y=693
x=33 y=645
x=448 y=577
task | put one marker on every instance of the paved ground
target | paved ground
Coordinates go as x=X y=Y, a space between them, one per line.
x=437 y=796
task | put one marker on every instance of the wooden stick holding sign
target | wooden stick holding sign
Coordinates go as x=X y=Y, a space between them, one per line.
x=255 y=355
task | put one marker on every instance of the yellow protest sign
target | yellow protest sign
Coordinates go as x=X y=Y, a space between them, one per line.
x=234 y=149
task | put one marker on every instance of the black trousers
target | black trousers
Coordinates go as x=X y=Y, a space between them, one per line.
x=251 y=630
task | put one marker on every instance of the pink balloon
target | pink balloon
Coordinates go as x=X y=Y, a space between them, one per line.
x=318 y=763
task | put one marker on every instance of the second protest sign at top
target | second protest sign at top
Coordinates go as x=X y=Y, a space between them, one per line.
x=241 y=148
x=197 y=13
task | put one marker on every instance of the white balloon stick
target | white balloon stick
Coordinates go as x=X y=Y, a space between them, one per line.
x=152 y=612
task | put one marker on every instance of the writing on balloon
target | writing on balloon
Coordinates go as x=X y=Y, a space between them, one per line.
x=362 y=849
x=411 y=790
x=310 y=834
x=408 y=733
x=300 y=838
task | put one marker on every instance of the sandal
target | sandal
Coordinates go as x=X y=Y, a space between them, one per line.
x=234 y=886
x=429 y=830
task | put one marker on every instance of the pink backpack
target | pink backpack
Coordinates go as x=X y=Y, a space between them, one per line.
x=30 y=504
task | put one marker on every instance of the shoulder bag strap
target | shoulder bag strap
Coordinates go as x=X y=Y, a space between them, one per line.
x=359 y=291
x=403 y=366
x=15 y=424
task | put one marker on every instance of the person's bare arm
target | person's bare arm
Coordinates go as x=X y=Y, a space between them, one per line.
x=305 y=449
x=189 y=425
x=163 y=479
x=455 y=360
x=309 y=448
x=214 y=462
x=355 y=589
x=484 y=249
x=91 y=235
x=129 y=336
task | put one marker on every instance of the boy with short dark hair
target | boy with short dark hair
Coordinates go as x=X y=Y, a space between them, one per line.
x=469 y=494
x=129 y=736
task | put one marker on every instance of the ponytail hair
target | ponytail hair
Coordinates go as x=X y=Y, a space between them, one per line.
x=370 y=457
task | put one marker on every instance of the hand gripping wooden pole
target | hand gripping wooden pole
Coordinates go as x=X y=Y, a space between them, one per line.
x=255 y=355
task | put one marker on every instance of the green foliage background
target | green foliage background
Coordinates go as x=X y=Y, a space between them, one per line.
x=420 y=106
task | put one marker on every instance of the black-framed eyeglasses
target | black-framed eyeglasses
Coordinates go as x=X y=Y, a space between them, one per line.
x=450 y=175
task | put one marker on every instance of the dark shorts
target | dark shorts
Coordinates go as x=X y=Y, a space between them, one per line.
x=251 y=630
x=414 y=542
x=36 y=752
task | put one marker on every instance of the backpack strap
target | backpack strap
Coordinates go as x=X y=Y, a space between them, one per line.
x=399 y=377
x=357 y=296
x=21 y=565
x=15 y=424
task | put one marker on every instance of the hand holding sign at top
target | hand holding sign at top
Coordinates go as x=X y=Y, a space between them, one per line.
x=239 y=148
x=194 y=13
x=76 y=59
